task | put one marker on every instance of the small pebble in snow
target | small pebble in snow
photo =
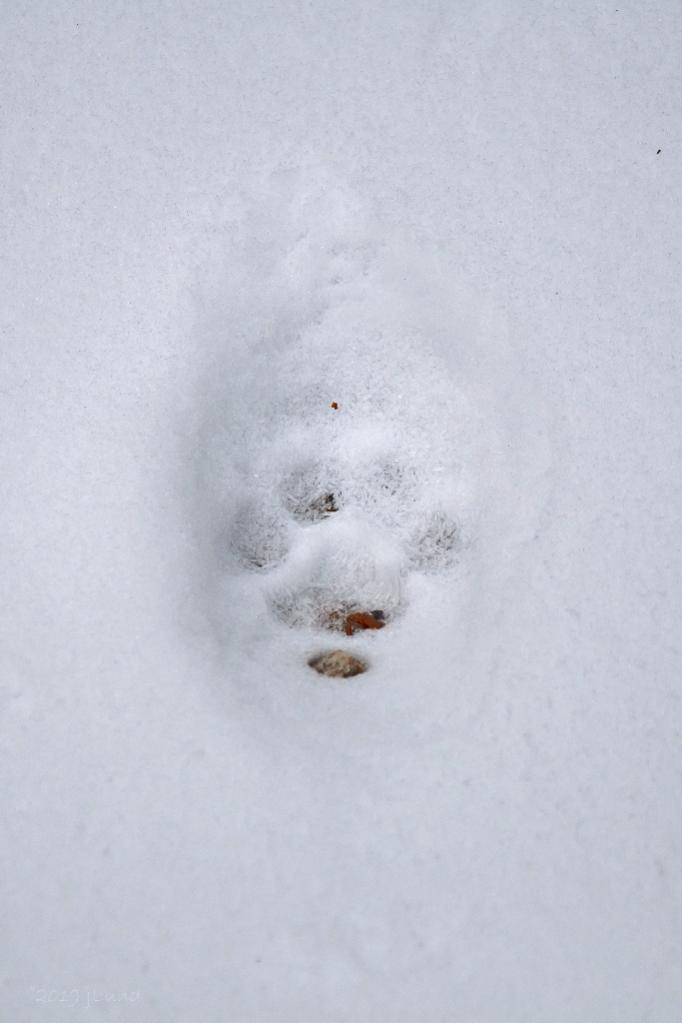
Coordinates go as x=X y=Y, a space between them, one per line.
x=337 y=664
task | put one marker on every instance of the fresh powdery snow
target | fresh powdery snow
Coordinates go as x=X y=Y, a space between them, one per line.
x=341 y=327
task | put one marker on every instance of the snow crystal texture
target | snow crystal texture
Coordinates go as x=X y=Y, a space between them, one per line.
x=460 y=224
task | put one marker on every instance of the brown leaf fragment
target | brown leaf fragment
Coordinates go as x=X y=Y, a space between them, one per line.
x=363 y=620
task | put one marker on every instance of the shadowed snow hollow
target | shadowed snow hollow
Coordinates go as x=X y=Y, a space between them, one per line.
x=355 y=457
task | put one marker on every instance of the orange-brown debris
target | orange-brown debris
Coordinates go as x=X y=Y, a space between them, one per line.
x=361 y=620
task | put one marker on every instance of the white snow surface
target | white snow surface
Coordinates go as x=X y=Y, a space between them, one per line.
x=454 y=221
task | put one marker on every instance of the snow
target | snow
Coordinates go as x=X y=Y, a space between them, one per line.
x=454 y=222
